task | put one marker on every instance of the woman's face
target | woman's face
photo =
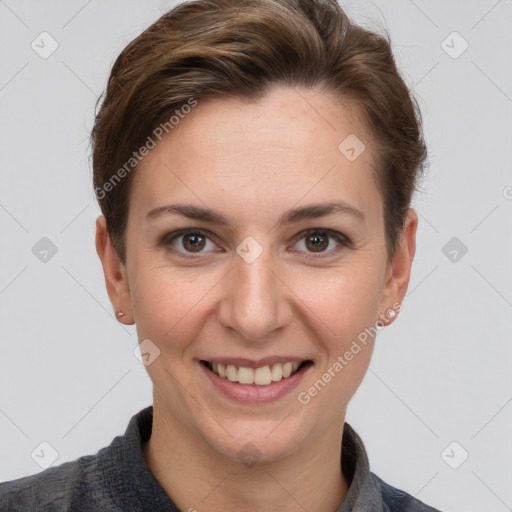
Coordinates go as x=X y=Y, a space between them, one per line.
x=285 y=262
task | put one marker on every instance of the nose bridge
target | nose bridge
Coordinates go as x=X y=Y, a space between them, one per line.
x=253 y=303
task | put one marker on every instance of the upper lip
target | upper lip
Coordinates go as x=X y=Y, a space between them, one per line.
x=255 y=363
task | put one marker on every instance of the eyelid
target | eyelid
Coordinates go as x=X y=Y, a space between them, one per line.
x=171 y=235
x=325 y=231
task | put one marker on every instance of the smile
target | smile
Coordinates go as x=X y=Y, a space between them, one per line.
x=262 y=376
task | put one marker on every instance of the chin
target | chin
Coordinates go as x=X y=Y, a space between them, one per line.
x=267 y=442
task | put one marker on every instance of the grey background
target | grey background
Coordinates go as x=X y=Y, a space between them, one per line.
x=441 y=373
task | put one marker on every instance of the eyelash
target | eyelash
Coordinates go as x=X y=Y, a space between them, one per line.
x=343 y=241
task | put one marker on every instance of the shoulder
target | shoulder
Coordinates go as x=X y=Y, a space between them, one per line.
x=54 y=489
x=395 y=500
x=104 y=481
x=43 y=491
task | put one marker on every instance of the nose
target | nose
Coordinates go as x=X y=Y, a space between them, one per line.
x=255 y=302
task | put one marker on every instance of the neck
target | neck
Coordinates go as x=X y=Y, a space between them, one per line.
x=197 y=478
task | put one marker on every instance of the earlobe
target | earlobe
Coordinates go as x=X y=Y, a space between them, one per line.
x=114 y=270
x=400 y=267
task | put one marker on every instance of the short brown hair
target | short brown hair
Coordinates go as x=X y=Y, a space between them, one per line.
x=240 y=48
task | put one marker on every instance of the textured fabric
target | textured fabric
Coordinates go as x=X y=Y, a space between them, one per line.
x=117 y=479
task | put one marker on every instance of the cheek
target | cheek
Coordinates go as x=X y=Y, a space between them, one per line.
x=347 y=311
x=345 y=301
x=166 y=302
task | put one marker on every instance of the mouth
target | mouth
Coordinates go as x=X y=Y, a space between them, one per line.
x=262 y=376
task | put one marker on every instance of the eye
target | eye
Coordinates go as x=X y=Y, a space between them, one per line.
x=190 y=241
x=194 y=241
x=323 y=241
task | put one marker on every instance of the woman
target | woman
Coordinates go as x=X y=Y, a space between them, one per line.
x=254 y=162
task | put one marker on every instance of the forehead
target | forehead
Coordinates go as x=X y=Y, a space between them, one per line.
x=288 y=145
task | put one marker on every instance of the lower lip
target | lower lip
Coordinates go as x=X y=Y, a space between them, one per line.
x=252 y=392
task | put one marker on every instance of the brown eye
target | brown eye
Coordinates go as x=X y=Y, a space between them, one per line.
x=317 y=242
x=323 y=242
x=193 y=242
x=188 y=242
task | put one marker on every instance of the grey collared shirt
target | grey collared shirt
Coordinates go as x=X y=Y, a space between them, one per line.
x=117 y=479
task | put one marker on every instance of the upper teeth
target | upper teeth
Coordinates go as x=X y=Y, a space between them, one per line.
x=260 y=376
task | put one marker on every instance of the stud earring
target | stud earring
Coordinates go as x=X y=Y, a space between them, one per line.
x=391 y=313
x=120 y=313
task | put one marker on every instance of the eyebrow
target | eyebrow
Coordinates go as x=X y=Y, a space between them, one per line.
x=312 y=211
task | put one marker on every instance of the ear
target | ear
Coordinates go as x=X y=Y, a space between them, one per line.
x=399 y=268
x=116 y=279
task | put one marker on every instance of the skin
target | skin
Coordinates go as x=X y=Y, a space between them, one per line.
x=252 y=162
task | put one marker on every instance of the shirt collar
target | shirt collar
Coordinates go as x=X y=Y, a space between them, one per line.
x=364 y=493
x=138 y=486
